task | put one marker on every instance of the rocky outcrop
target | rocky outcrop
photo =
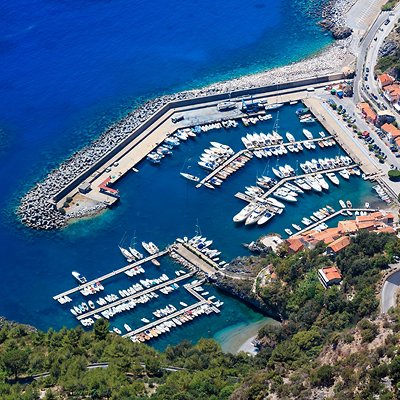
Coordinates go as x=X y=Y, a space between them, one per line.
x=246 y=295
x=341 y=32
x=334 y=18
x=389 y=48
x=5 y=323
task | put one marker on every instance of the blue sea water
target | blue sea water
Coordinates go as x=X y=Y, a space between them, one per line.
x=68 y=70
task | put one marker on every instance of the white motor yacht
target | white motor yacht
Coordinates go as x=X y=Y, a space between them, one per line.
x=333 y=178
x=308 y=134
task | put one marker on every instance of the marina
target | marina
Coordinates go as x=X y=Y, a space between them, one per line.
x=194 y=254
x=204 y=155
x=214 y=142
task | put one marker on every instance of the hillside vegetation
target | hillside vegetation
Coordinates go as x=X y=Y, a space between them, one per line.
x=331 y=344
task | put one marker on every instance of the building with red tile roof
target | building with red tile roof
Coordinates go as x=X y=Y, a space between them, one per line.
x=368 y=113
x=385 y=80
x=347 y=226
x=339 y=244
x=295 y=244
x=386 y=229
x=392 y=93
x=329 y=276
x=391 y=131
x=107 y=190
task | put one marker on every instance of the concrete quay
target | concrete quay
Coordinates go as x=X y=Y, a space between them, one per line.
x=40 y=207
x=343 y=137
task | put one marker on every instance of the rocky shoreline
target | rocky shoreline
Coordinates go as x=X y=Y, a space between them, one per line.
x=36 y=208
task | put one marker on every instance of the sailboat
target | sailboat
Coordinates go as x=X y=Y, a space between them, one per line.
x=133 y=250
x=126 y=253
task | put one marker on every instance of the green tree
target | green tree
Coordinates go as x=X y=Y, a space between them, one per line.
x=15 y=361
x=100 y=328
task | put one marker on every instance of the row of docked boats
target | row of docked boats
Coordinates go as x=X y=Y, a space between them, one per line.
x=261 y=146
x=214 y=156
x=312 y=219
x=202 y=244
x=228 y=169
x=247 y=121
x=315 y=165
x=165 y=149
x=135 y=271
x=134 y=255
x=163 y=312
x=381 y=192
x=171 y=323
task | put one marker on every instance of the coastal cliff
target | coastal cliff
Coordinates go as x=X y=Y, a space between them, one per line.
x=243 y=292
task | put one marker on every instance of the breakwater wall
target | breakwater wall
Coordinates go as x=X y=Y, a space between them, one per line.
x=161 y=115
x=37 y=208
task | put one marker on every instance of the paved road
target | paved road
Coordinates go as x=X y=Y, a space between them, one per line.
x=369 y=59
x=362 y=54
x=389 y=292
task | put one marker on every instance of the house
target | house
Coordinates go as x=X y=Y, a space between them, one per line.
x=391 y=131
x=385 y=80
x=368 y=113
x=107 y=190
x=392 y=93
x=329 y=276
x=386 y=229
x=349 y=226
x=295 y=244
x=339 y=244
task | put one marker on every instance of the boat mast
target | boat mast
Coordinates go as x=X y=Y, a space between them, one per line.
x=276 y=124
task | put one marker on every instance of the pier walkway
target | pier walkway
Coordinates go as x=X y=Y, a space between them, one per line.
x=222 y=166
x=196 y=258
x=335 y=214
x=286 y=144
x=111 y=274
x=134 y=296
x=249 y=199
x=163 y=319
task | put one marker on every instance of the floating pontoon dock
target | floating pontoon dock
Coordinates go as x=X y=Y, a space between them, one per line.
x=111 y=274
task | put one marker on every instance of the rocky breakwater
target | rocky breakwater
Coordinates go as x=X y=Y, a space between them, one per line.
x=334 y=18
x=37 y=209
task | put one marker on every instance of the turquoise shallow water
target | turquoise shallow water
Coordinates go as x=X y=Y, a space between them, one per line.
x=71 y=69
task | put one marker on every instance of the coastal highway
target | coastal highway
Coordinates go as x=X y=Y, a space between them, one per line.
x=362 y=54
x=390 y=289
x=368 y=58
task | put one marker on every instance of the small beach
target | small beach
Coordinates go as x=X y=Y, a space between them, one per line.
x=239 y=337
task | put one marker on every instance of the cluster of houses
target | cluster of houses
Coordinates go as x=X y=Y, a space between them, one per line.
x=391 y=91
x=339 y=238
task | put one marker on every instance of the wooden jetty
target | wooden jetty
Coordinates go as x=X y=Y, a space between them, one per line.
x=133 y=296
x=222 y=166
x=111 y=274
